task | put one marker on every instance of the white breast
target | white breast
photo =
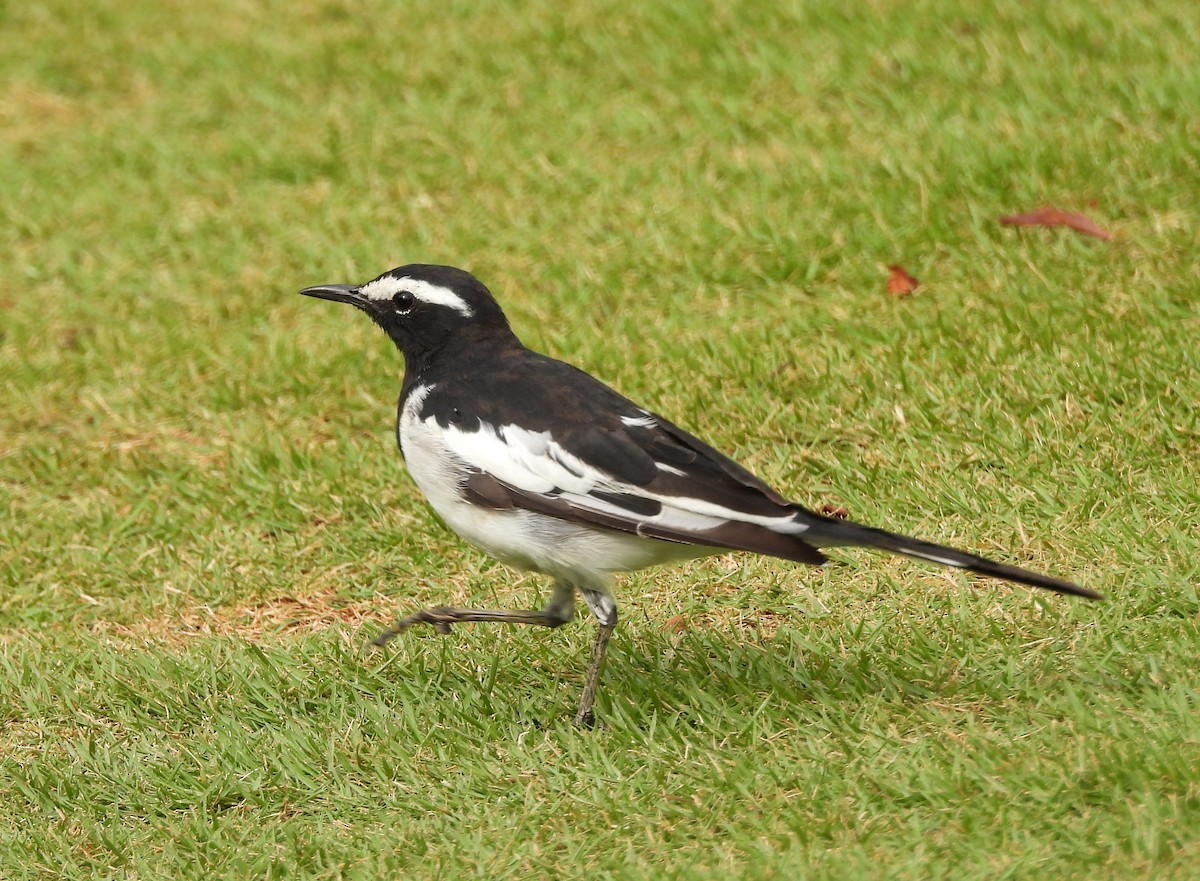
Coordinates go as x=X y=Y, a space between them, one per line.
x=583 y=555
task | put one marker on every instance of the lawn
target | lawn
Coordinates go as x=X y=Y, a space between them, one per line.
x=205 y=519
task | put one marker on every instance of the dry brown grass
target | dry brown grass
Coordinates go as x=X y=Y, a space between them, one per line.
x=272 y=618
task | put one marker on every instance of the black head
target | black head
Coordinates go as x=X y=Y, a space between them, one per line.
x=424 y=308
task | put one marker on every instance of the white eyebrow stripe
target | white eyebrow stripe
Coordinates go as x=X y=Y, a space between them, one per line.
x=387 y=287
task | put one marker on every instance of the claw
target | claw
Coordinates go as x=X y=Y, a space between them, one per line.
x=435 y=618
x=383 y=638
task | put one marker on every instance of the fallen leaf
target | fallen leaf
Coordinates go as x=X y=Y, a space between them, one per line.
x=899 y=282
x=835 y=511
x=1048 y=215
x=678 y=623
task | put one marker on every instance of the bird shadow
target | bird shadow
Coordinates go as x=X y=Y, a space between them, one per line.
x=699 y=678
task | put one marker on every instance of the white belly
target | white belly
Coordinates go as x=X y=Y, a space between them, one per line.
x=580 y=554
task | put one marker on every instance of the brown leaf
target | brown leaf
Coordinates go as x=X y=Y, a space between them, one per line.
x=678 y=623
x=1048 y=215
x=900 y=283
x=831 y=510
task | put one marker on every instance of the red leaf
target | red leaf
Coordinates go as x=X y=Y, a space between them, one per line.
x=899 y=282
x=1048 y=215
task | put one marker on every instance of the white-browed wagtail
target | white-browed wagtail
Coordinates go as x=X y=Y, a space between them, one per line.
x=545 y=468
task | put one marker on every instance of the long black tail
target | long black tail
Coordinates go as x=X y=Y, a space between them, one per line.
x=827 y=532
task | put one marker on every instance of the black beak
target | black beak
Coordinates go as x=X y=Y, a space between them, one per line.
x=339 y=293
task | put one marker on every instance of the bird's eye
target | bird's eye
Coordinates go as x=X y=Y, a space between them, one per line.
x=403 y=302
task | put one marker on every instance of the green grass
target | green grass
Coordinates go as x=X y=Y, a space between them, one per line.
x=205 y=518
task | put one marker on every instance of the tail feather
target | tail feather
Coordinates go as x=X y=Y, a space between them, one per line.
x=827 y=532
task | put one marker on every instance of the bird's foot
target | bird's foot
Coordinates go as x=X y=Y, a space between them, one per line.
x=438 y=617
x=441 y=617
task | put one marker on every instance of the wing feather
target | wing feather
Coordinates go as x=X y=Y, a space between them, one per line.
x=702 y=498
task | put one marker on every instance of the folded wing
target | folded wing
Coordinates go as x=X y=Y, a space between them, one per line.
x=641 y=475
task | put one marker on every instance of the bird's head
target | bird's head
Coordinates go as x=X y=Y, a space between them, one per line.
x=424 y=308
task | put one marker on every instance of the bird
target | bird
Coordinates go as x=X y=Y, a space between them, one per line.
x=545 y=468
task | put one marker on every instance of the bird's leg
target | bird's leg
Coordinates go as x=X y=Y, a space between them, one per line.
x=556 y=612
x=605 y=612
